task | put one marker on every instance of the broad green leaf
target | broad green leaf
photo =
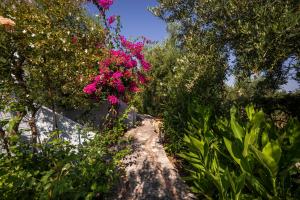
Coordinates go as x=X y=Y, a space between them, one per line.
x=265 y=138
x=216 y=181
x=269 y=157
x=240 y=182
x=191 y=157
x=250 y=111
x=238 y=131
x=231 y=181
x=199 y=167
x=236 y=183
x=186 y=139
x=230 y=147
x=272 y=149
x=236 y=154
x=257 y=186
x=249 y=139
x=199 y=145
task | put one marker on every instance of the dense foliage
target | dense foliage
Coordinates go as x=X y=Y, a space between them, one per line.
x=61 y=170
x=257 y=44
x=261 y=36
x=49 y=53
x=44 y=57
x=52 y=53
x=242 y=158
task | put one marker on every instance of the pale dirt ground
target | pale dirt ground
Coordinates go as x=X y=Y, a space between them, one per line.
x=149 y=173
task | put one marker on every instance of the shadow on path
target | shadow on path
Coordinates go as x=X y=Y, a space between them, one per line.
x=149 y=173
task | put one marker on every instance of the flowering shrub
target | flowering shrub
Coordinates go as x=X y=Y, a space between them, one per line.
x=105 y=4
x=111 y=19
x=123 y=71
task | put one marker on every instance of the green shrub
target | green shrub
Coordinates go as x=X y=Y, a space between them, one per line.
x=243 y=157
x=61 y=170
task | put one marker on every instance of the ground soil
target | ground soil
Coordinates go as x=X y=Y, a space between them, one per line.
x=149 y=174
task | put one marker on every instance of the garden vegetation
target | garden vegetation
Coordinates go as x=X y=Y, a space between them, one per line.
x=234 y=141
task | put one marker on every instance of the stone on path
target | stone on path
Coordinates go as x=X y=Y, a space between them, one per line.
x=149 y=173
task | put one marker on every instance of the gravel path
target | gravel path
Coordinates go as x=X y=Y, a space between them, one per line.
x=149 y=173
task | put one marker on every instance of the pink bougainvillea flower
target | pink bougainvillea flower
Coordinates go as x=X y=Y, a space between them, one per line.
x=90 y=88
x=120 y=88
x=111 y=19
x=113 y=100
x=133 y=87
x=131 y=63
x=103 y=70
x=142 y=78
x=105 y=4
x=106 y=63
x=134 y=48
x=116 y=81
x=122 y=72
x=140 y=56
x=117 y=75
x=97 y=79
x=127 y=74
x=146 y=66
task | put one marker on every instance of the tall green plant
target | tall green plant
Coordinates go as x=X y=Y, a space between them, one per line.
x=243 y=158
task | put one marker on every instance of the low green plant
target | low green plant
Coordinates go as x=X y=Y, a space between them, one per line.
x=60 y=170
x=242 y=157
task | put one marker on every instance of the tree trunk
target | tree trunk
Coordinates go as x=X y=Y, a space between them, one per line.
x=55 y=127
x=5 y=141
x=33 y=128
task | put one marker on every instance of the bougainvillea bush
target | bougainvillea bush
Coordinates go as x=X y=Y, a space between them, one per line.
x=123 y=71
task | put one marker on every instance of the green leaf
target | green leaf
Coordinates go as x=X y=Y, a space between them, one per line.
x=236 y=183
x=250 y=111
x=273 y=150
x=269 y=157
x=257 y=186
x=12 y=122
x=236 y=153
x=238 y=131
x=249 y=139
x=252 y=135
x=199 y=145
x=191 y=157
x=265 y=138
x=240 y=182
x=231 y=181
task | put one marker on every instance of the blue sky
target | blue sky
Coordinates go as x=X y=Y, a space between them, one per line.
x=136 y=19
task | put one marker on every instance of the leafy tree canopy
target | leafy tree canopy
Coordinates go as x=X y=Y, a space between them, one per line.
x=262 y=37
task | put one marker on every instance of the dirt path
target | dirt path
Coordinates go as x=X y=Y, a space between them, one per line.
x=149 y=173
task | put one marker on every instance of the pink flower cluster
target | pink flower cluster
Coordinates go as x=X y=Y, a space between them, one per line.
x=124 y=71
x=136 y=51
x=105 y=4
x=111 y=19
x=120 y=74
x=113 y=99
